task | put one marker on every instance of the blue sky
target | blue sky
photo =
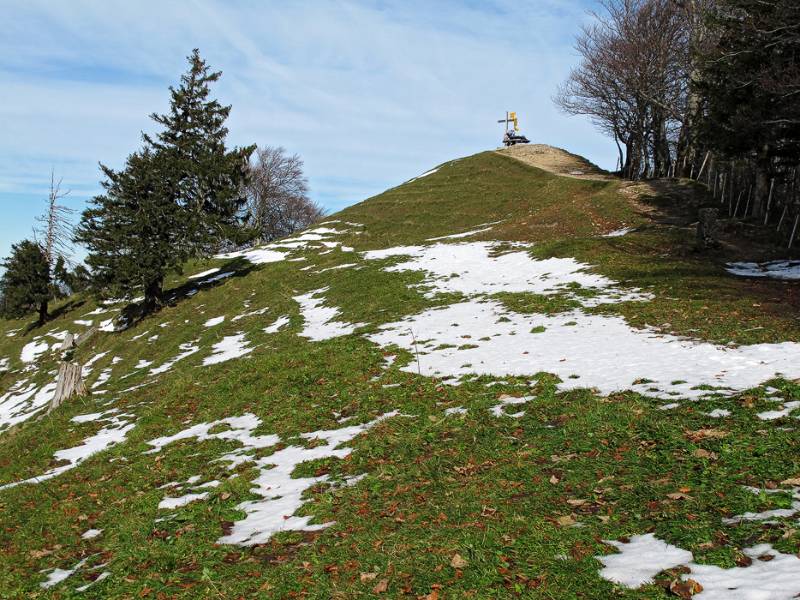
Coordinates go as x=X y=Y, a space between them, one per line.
x=370 y=94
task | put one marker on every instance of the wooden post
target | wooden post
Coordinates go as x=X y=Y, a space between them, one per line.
x=783 y=216
x=700 y=173
x=794 y=230
x=738 y=200
x=769 y=200
x=749 y=197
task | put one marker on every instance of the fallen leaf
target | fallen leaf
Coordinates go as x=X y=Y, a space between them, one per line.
x=685 y=589
x=381 y=586
x=742 y=560
x=458 y=562
x=554 y=480
x=766 y=557
x=703 y=453
x=565 y=520
x=706 y=434
x=368 y=577
x=679 y=496
x=791 y=481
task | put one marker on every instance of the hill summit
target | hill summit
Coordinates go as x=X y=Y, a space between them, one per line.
x=457 y=388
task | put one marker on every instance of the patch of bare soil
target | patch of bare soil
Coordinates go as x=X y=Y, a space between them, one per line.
x=557 y=161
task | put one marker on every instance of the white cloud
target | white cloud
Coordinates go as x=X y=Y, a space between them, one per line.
x=369 y=94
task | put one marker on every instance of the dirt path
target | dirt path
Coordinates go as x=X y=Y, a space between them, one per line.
x=557 y=161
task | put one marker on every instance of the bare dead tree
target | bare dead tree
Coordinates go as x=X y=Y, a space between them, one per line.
x=277 y=194
x=55 y=229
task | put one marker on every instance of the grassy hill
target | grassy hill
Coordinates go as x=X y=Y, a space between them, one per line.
x=364 y=410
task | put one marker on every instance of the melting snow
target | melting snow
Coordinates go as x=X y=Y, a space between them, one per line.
x=257 y=256
x=641 y=559
x=112 y=434
x=108 y=326
x=457 y=236
x=21 y=402
x=173 y=503
x=772 y=415
x=252 y=313
x=100 y=578
x=213 y=322
x=104 y=376
x=204 y=273
x=718 y=413
x=90 y=534
x=33 y=350
x=777 y=578
x=277 y=325
x=778 y=269
x=281 y=495
x=471 y=268
x=480 y=336
x=187 y=349
x=618 y=232
x=228 y=348
x=56 y=576
x=499 y=410
x=319 y=320
x=569 y=346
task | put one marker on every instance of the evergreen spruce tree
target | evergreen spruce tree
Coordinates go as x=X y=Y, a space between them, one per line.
x=205 y=178
x=133 y=231
x=175 y=199
x=25 y=285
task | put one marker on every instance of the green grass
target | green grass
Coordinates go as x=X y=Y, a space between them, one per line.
x=502 y=493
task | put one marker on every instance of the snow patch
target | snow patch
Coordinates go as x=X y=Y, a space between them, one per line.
x=112 y=434
x=641 y=559
x=771 y=415
x=90 y=534
x=23 y=401
x=281 y=495
x=186 y=349
x=232 y=346
x=173 y=503
x=319 y=320
x=718 y=413
x=277 y=325
x=214 y=322
x=474 y=268
x=56 y=576
x=483 y=338
x=777 y=269
x=33 y=350
x=777 y=578
x=618 y=232
x=204 y=273
x=457 y=236
x=499 y=410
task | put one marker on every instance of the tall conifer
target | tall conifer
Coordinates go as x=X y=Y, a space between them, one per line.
x=175 y=199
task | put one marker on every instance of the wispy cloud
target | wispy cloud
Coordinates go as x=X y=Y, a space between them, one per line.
x=368 y=93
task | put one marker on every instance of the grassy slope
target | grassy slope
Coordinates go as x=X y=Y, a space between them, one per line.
x=499 y=492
